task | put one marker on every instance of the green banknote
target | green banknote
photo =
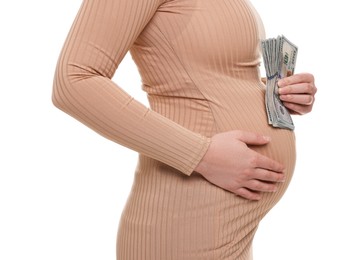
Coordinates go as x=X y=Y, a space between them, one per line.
x=279 y=56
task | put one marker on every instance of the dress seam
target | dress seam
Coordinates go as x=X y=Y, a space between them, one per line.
x=188 y=74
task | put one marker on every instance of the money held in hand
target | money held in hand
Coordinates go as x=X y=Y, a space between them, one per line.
x=279 y=55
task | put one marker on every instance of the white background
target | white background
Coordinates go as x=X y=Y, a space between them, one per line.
x=63 y=187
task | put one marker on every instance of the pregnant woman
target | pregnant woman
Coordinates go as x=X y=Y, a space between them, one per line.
x=210 y=166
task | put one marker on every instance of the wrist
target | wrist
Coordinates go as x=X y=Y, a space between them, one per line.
x=202 y=164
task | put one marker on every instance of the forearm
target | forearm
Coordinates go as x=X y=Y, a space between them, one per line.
x=101 y=105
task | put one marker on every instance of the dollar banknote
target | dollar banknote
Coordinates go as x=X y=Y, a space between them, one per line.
x=279 y=56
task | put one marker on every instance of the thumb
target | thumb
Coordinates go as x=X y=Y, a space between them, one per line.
x=252 y=138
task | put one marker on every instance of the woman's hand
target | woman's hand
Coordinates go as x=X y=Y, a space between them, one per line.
x=230 y=164
x=298 y=93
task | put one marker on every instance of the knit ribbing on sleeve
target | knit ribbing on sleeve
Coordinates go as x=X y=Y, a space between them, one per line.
x=101 y=35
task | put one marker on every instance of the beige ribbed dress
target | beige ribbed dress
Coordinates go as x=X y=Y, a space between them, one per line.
x=198 y=60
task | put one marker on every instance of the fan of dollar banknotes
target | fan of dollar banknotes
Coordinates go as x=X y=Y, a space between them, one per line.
x=279 y=56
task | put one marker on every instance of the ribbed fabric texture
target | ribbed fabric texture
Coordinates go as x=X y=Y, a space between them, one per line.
x=198 y=60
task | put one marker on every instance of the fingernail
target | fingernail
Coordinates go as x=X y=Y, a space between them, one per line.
x=267 y=138
x=280 y=83
x=285 y=97
x=282 y=91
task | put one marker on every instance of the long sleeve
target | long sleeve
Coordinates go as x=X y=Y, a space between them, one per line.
x=101 y=35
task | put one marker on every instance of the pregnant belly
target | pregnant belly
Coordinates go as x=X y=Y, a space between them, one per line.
x=192 y=204
x=243 y=108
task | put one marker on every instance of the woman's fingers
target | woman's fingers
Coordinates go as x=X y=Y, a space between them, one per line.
x=297 y=108
x=298 y=92
x=301 y=99
x=295 y=79
x=250 y=138
x=263 y=162
x=299 y=88
x=248 y=194
x=261 y=186
x=267 y=176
